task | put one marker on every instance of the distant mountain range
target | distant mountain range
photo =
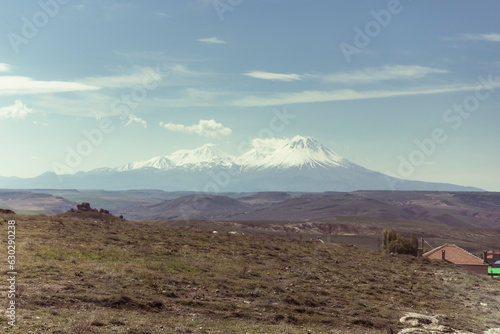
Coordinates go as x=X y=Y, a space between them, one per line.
x=460 y=209
x=300 y=164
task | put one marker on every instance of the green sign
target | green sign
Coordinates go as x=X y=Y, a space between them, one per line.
x=495 y=272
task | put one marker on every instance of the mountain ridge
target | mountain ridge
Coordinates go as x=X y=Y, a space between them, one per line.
x=299 y=151
x=297 y=164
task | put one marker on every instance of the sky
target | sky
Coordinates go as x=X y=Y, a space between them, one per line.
x=406 y=88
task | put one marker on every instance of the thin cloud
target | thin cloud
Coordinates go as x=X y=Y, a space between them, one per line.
x=493 y=37
x=375 y=74
x=212 y=98
x=314 y=96
x=184 y=70
x=177 y=75
x=5 y=67
x=15 y=85
x=140 y=76
x=274 y=76
x=83 y=104
x=18 y=110
x=260 y=149
x=211 y=40
x=367 y=75
x=206 y=128
x=134 y=119
x=268 y=144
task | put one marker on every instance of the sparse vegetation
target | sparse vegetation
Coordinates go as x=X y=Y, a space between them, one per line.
x=86 y=275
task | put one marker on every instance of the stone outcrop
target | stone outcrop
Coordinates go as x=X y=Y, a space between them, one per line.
x=85 y=207
x=84 y=210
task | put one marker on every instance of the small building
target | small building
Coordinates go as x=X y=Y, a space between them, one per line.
x=491 y=257
x=459 y=256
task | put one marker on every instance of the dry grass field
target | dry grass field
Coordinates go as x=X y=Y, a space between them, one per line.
x=104 y=275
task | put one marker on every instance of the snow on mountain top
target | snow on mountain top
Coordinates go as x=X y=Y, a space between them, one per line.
x=157 y=162
x=208 y=154
x=303 y=152
x=285 y=153
x=266 y=153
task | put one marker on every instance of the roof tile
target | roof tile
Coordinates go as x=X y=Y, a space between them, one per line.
x=454 y=254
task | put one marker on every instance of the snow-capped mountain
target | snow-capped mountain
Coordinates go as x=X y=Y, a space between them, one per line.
x=207 y=156
x=299 y=152
x=158 y=163
x=297 y=164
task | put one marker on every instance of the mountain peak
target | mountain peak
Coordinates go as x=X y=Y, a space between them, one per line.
x=296 y=152
x=299 y=138
x=303 y=143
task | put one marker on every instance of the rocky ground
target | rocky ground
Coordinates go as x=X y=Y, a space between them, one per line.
x=79 y=274
x=425 y=324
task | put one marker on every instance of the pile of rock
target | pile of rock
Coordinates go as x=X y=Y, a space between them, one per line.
x=425 y=324
x=86 y=209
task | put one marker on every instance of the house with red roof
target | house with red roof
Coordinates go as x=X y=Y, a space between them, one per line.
x=459 y=256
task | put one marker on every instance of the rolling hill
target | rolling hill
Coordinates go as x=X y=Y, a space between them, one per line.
x=34 y=202
x=459 y=209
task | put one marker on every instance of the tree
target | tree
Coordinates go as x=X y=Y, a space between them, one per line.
x=392 y=242
x=389 y=241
